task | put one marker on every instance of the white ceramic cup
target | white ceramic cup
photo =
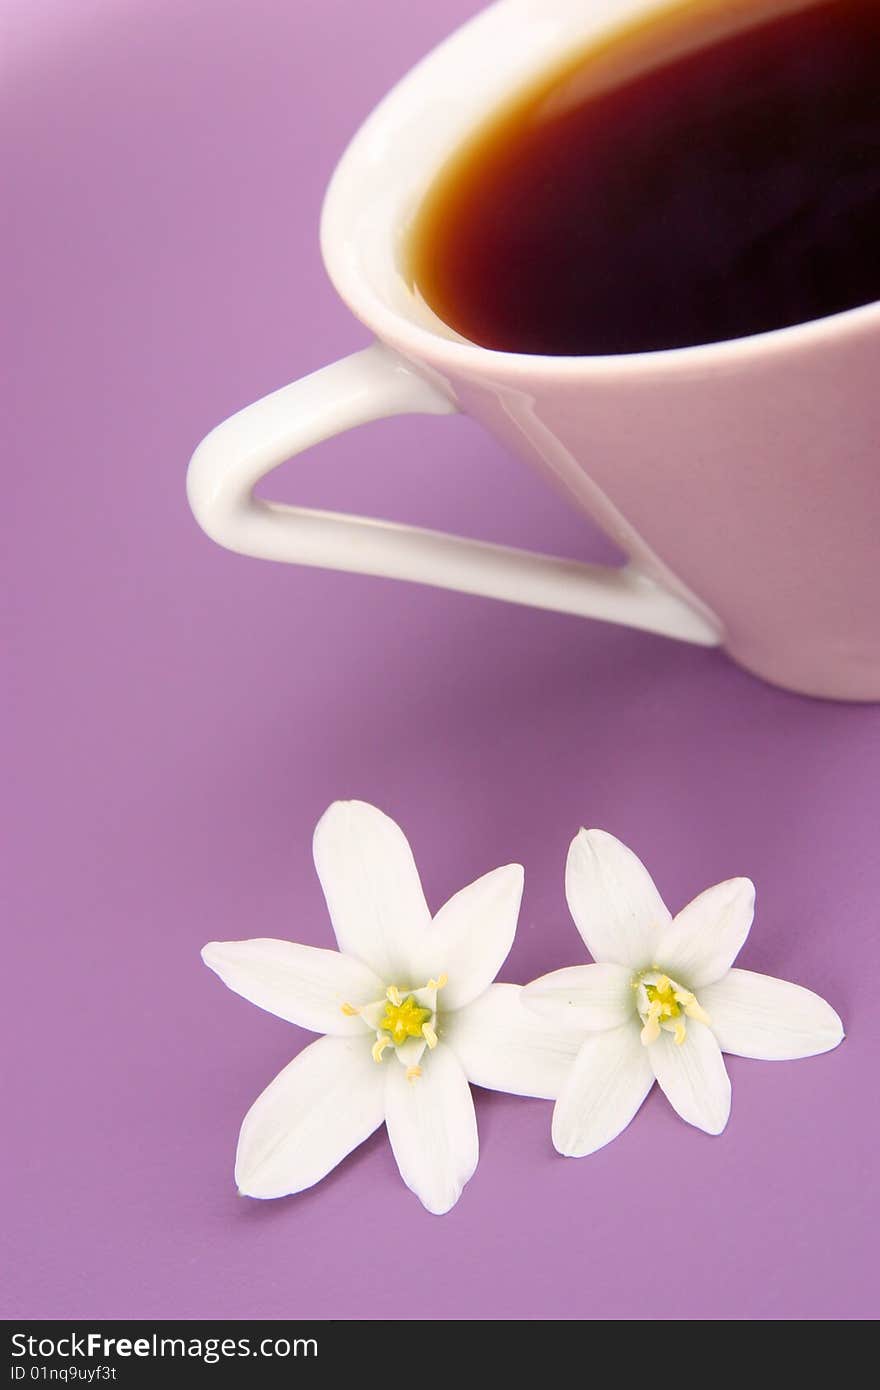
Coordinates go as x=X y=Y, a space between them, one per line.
x=741 y=478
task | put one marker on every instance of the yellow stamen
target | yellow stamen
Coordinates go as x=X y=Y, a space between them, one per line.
x=662 y=994
x=404 y=1019
x=651 y=1031
x=413 y=1073
x=349 y=1010
x=695 y=1010
x=379 y=1047
x=665 y=1007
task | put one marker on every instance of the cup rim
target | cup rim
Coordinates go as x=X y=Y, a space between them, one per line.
x=463 y=357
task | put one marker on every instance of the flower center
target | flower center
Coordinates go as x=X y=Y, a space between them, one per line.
x=405 y=1021
x=665 y=1006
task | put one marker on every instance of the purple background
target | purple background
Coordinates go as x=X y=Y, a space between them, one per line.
x=181 y=717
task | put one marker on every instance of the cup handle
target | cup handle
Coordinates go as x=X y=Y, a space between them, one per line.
x=369 y=385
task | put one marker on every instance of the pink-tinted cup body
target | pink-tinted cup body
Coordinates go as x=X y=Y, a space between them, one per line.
x=750 y=474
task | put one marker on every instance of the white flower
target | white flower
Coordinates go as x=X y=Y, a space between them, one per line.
x=662 y=1003
x=410 y=1012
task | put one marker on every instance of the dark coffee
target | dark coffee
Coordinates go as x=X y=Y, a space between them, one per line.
x=706 y=175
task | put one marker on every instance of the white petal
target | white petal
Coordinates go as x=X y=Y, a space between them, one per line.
x=758 y=1016
x=432 y=1128
x=472 y=934
x=302 y=984
x=504 y=1046
x=604 y=1089
x=372 y=887
x=693 y=1076
x=373 y=1014
x=613 y=900
x=703 y=941
x=426 y=998
x=327 y=1101
x=409 y=1054
x=589 y=997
